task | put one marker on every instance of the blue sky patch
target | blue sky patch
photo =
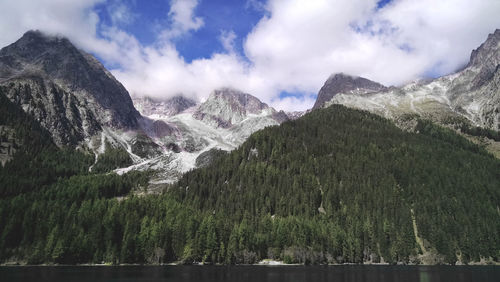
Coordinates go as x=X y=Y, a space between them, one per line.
x=218 y=16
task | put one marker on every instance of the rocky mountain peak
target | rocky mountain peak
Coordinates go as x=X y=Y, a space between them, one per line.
x=237 y=100
x=488 y=54
x=344 y=83
x=485 y=60
x=226 y=107
x=159 y=108
x=66 y=89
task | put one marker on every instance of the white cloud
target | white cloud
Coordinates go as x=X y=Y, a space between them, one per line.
x=120 y=13
x=294 y=47
x=293 y=103
x=74 y=19
x=182 y=18
x=301 y=45
x=227 y=40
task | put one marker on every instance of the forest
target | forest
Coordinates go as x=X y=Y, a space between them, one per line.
x=335 y=186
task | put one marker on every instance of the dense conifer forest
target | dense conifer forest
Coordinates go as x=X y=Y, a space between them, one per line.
x=337 y=185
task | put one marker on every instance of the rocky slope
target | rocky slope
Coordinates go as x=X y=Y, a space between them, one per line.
x=226 y=107
x=158 y=108
x=192 y=134
x=81 y=104
x=343 y=83
x=66 y=89
x=72 y=95
x=472 y=93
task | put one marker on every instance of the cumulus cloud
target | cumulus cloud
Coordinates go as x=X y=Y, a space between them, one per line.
x=74 y=19
x=304 y=44
x=182 y=18
x=294 y=103
x=227 y=40
x=294 y=47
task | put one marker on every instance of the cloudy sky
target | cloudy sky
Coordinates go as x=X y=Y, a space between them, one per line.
x=281 y=51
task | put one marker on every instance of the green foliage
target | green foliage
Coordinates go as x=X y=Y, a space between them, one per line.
x=465 y=126
x=38 y=161
x=111 y=159
x=337 y=185
x=366 y=174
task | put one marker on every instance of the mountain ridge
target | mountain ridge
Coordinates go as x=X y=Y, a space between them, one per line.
x=470 y=94
x=344 y=83
x=39 y=71
x=194 y=135
x=82 y=105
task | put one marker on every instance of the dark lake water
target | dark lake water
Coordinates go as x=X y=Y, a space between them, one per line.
x=253 y=273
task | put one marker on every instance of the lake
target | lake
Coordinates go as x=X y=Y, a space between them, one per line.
x=344 y=273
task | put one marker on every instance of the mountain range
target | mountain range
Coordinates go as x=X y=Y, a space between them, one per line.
x=371 y=173
x=81 y=104
x=471 y=93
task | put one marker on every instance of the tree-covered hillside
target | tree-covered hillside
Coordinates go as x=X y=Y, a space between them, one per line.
x=349 y=182
x=37 y=161
x=337 y=185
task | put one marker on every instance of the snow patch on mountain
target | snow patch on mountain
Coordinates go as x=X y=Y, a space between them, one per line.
x=224 y=121
x=472 y=93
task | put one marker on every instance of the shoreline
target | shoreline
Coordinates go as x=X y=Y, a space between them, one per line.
x=264 y=263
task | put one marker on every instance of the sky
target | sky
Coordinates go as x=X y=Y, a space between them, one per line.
x=281 y=51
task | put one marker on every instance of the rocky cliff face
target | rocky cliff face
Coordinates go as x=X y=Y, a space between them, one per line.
x=226 y=107
x=159 y=108
x=191 y=135
x=472 y=93
x=343 y=83
x=81 y=104
x=67 y=90
x=475 y=91
x=486 y=59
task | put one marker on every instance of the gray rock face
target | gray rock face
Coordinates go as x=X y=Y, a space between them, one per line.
x=162 y=108
x=472 y=93
x=296 y=114
x=67 y=90
x=193 y=136
x=226 y=107
x=343 y=83
x=157 y=128
x=487 y=53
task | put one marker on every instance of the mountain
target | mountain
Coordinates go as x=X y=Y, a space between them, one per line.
x=67 y=90
x=470 y=97
x=30 y=158
x=72 y=96
x=343 y=185
x=486 y=58
x=162 y=108
x=194 y=133
x=226 y=107
x=296 y=114
x=343 y=83
x=337 y=185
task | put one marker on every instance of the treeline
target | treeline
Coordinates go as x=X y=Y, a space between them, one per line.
x=337 y=185
x=465 y=126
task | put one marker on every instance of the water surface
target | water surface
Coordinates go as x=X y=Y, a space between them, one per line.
x=252 y=273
